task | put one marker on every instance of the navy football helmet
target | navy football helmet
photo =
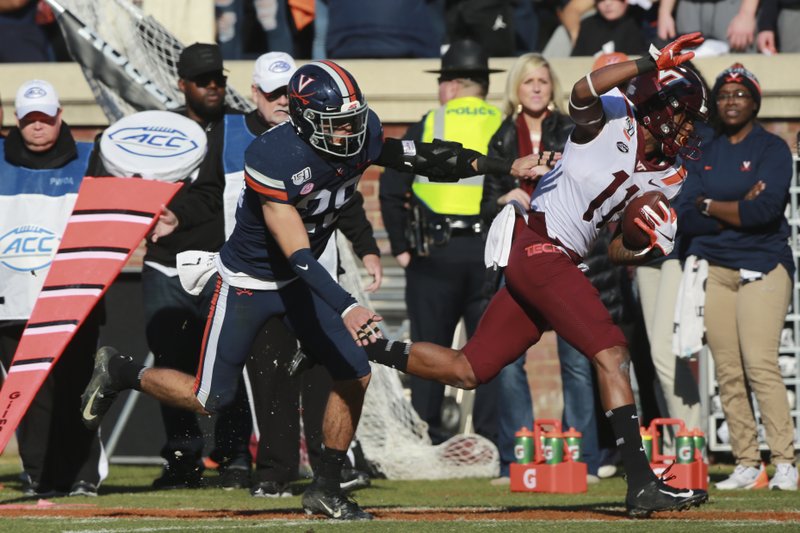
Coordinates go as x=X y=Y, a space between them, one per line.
x=328 y=109
x=660 y=95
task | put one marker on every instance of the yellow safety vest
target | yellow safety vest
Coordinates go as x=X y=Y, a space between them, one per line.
x=470 y=121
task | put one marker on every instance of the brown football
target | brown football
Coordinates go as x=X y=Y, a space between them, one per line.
x=633 y=237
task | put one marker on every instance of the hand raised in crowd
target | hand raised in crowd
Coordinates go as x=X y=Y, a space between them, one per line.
x=362 y=323
x=765 y=42
x=673 y=54
x=167 y=223
x=666 y=26
x=373 y=266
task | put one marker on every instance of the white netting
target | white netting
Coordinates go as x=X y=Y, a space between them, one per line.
x=150 y=47
x=391 y=433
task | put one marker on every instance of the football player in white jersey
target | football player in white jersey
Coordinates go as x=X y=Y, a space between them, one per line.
x=620 y=147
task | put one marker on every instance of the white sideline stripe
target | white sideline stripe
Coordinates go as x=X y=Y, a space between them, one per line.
x=70 y=292
x=261 y=178
x=116 y=256
x=29 y=368
x=210 y=355
x=134 y=219
x=63 y=328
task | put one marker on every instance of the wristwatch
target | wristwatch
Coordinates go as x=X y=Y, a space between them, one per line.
x=706 y=206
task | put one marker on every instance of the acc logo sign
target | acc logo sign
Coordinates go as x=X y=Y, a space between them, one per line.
x=28 y=248
x=153 y=141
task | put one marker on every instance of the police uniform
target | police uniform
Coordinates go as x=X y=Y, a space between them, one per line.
x=446 y=284
x=37 y=193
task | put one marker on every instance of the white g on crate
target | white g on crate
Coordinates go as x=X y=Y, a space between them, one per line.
x=529 y=478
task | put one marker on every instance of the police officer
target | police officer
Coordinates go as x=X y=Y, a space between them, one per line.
x=41 y=169
x=441 y=246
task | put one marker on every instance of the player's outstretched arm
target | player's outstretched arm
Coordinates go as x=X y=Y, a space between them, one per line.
x=585 y=107
x=447 y=161
x=286 y=225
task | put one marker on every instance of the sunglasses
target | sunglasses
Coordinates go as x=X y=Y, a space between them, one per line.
x=204 y=80
x=274 y=95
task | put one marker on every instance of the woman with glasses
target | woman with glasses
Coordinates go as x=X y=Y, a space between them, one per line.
x=732 y=210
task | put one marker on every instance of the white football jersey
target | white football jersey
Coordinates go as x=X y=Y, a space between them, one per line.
x=593 y=182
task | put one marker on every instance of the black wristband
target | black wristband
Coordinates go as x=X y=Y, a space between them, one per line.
x=493 y=165
x=646 y=63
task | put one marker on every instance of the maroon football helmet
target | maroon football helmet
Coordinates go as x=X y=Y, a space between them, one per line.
x=660 y=95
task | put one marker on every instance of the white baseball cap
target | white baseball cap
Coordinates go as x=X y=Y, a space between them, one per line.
x=36 y=95
x=273 y=70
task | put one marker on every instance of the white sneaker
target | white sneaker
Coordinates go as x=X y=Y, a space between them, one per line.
x=743 y=477
x=785 y=477
x=606 y=471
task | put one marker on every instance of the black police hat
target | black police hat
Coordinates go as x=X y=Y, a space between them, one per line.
x=465 y=59
x=198 y=59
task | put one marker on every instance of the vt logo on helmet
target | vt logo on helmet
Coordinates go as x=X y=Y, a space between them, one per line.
x=328 y=109
x=659 y=96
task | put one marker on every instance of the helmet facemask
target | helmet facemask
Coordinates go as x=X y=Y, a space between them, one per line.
x=340 y=133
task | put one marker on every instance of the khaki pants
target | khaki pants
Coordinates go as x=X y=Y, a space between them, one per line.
x=743 y=328
x=658 y=292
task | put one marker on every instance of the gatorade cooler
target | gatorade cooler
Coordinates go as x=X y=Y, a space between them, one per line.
x=688 y=466
x=565 y=477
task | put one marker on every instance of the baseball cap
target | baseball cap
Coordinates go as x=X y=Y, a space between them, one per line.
x=199 y=58
x=36 y=95
x=273 y=70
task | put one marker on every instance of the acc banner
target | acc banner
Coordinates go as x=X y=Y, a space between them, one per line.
x=110 y=218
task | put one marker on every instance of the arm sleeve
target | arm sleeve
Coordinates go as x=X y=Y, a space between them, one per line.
x=394 y=187
x=775 y=170
x=315 y=276
x=203 y=199
x=354 y=225
x=768 y=15
x=495 y=185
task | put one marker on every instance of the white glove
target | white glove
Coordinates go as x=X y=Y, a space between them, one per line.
x=661 y=227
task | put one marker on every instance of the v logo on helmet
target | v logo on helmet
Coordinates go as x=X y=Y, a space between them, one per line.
x=304 y=81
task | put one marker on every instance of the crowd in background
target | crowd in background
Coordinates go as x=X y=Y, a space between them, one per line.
x=340 y=29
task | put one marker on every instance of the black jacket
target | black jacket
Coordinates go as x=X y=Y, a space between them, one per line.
x=556 y=128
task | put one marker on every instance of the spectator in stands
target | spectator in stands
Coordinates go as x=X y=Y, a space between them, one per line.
x=730 y=21
x=533 y=124
x=401 y=28
x=611 y=29
x=490 y=23
x=733 y=208
x=229 y=15
x=175 y=319
x=21 y=38
x=778 y=21
x=444 y=268
x=41 y=160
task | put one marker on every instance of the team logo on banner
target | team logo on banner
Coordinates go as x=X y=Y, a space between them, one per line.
x=153 y=141
x=28 y=248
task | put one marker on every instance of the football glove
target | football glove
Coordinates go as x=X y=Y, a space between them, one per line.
x=660 y=227
x=670 y=56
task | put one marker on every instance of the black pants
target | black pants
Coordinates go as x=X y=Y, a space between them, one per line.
x=277 y=407
x=441 y=289
x=56 y=448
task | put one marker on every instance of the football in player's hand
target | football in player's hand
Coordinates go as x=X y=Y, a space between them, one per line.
x=634 y=237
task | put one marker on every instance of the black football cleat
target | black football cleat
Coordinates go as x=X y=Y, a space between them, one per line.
x=658 y=496
x=333 y=504
x=101 y=391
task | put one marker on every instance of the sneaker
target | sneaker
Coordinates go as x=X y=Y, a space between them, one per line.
x=785 y=477
x=235 y=477
x=270 y=489
x=591 y=479
x=83 y=488
x=334 y=505
x=745 y=477
x=353 y=479
x=658 y=496
x=607 y=471
x=180 y=475
x=29 y=486
x=101 y=391
x=501 y=481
